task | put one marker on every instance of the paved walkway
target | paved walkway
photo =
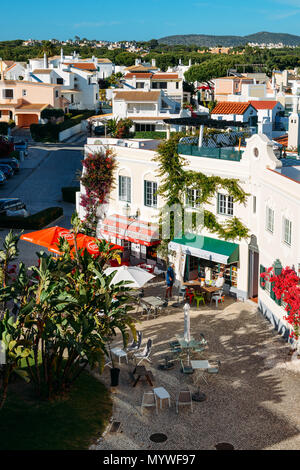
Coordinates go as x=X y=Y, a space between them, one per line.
x=253 y=403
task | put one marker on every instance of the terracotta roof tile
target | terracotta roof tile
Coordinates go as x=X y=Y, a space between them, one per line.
x=230 y=107
x=138 y=75
x=166 y=76
x=137 y=95
x=82 y=65
x=264 y=104
x=42 y=71
x=283 y=140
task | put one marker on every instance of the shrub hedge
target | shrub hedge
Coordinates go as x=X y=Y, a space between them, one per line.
x=69 y=193
x=49 y=113
x=33 y=222
x=3 y=127
x=44 y=132
x=150 y=135
x=50 y=132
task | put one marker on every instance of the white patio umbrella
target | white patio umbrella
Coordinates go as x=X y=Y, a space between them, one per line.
x=179 y=265
x=187 y=332
x=138 y=276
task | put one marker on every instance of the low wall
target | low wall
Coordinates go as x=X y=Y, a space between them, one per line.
x=67 y=133
x=275 y=315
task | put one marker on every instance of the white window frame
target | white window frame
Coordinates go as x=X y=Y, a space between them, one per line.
x=150 y=189
x=124 y=189
x=191 y=196
x=270 y=219
x=225 y=205
x=286 y=231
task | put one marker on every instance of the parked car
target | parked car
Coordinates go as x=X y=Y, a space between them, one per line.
x=13 y=207
x=21 y=146
x=99 y=130
x=7 y=170
x=13 y=162
x=2 y=177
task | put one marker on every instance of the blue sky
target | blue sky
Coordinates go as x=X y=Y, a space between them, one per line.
x=144 y=20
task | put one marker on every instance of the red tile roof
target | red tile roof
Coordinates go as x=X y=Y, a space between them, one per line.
x=283 y=140
x=82 y=65
x=230 y=107
x=167 y=76
x=138 y=96
x=138 y=75
x=264 y=104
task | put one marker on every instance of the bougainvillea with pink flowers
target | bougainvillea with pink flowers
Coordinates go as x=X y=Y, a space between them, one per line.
x=286 y=286
x=98 y=180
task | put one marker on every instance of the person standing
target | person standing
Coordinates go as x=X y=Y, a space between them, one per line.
x=170 y=278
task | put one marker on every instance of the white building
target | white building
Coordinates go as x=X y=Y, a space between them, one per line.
x=235 y=111
x=272 y=215
x=78 y=80
x=147 y=109
x=16 y=71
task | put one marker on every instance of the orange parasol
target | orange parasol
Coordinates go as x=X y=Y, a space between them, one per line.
x=49 y=238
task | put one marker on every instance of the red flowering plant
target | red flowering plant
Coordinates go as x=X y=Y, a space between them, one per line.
x=286 y=286
x=98 y=180
x=123 y=128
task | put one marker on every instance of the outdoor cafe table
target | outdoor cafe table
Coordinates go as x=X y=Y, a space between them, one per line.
x=201 y=366
x=188 y=346
x=207 y=289
x=153 y=302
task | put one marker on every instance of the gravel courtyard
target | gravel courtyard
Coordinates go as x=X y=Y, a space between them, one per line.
x=253 y=403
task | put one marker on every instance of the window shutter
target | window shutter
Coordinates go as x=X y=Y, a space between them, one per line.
x=145 y=191
x=120 y=191
x=262 y=269
x=272 y=293
x=129 y=189
x=278 y=301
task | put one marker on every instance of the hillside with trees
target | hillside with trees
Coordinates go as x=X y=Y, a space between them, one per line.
x=205 y=40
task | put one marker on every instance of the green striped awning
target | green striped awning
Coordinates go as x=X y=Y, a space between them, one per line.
x=208 y=248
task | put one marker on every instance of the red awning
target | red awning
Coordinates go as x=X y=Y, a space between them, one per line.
x=205 y=87
x=132 y=230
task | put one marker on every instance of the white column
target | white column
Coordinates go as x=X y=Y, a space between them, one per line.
x=201 y=136
x=168 y=131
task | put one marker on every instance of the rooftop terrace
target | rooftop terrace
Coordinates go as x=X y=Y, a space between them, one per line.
x=221 y=153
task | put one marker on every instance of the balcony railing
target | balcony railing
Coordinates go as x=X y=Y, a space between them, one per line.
x=220 y=153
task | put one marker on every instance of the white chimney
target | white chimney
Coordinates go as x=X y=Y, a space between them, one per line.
x=27 y=73
x=62 y=55
x=180 y=62
x=285 y=75
x=45 y=61
x=190 y=62
x=153 y=62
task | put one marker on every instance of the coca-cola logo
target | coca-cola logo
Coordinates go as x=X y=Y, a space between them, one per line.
x=67 y=235
x=92 y=246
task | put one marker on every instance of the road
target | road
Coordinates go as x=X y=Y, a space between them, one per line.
x=47 y=169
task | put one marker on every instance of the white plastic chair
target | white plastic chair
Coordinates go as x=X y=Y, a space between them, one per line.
x=217 y=296
x=144 y=355
x=149 y=400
